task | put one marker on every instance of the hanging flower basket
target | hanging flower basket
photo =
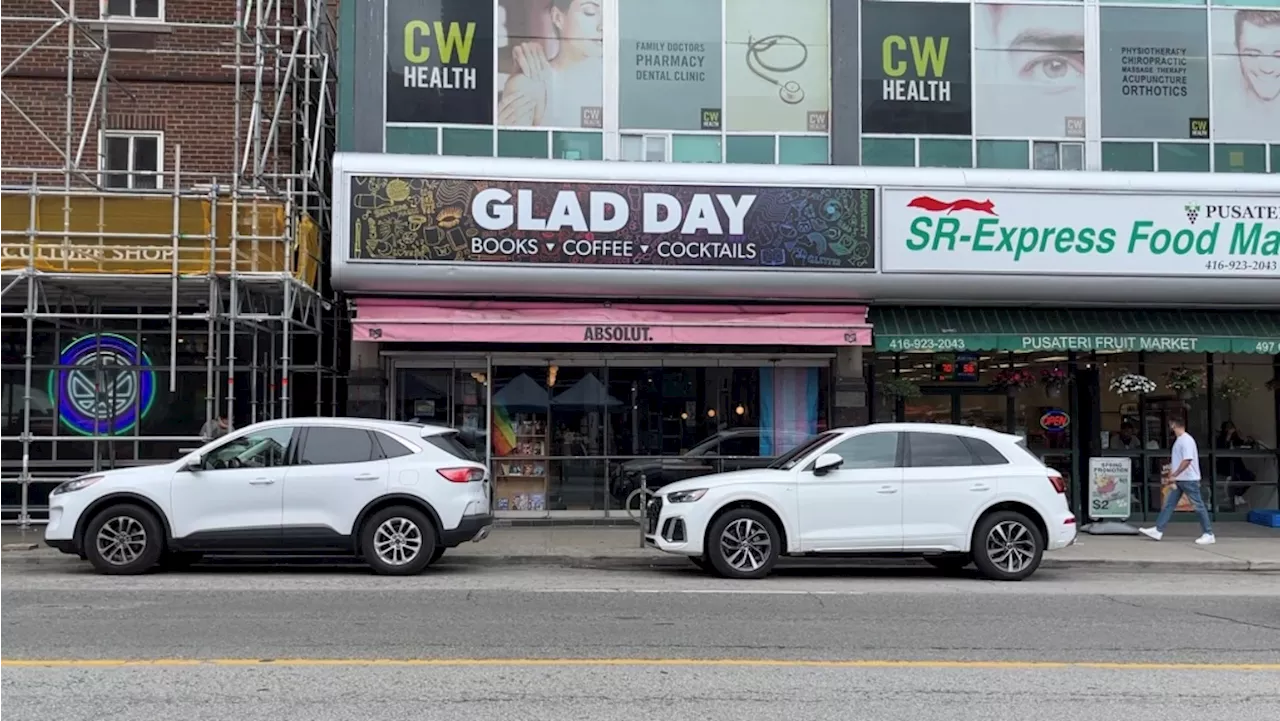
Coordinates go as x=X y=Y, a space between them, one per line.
x=1128 y=383
x=1234 y=387
x=1054 y=381
x=899 y=388
x=1012 y=380
x=1185 y=381
x=1273 y=385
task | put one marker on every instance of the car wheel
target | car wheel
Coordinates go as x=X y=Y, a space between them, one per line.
x=743 y=544
x=1007 y=546
x=950 y=562
x=703 y=563
x=180 y=560
x=124 y=541
x=437 y=554
x=398 y=541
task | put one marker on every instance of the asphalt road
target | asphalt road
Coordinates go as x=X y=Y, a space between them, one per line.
x=558 y=643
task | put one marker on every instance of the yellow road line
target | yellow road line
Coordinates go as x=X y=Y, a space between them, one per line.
x=572 y=662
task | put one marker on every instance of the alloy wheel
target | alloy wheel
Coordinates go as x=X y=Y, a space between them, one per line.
x=121 y=540
x=1011 y=546
x=397 y=541
x=745 y=544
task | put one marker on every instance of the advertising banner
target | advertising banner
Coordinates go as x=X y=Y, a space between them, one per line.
x=550 y=63
x=1246 y=75
x=953 y=231
x=1030 y=70
x=670 y=64
x=454 y=220
x=439 y=61
x=1110 y=487
x=915 y=68
x=1155 y=72
x=777 y=66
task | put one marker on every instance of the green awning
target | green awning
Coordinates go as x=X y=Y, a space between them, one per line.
x=933 y=329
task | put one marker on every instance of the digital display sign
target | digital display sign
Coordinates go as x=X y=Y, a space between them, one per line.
x=956 y=367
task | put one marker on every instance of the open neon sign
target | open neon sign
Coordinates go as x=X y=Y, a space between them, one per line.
x=105 y=385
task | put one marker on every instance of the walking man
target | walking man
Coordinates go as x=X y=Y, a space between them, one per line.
x=1184 y=476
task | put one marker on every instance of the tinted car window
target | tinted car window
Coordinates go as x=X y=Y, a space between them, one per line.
x=788 y=460
x=985 y=453
x=931 y=450
x=328 y=445
x=390 y=447
x=740 y=445
x=267 y=448
x=450 y=443
x=869 y=450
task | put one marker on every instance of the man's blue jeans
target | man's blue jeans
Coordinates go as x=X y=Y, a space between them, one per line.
x=1192 y=489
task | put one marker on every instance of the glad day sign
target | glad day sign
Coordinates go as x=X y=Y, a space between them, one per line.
x=977 y=231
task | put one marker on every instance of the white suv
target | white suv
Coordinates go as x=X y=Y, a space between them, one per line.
x=954 y=495
x=398 y=494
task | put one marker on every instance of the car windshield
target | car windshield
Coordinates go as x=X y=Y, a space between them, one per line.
x=788 y=460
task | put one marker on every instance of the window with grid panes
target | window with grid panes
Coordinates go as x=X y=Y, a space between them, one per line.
x=135 y=9
x=131 y=160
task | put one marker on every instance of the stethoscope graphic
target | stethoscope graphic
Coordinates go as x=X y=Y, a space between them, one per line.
x=790 y=91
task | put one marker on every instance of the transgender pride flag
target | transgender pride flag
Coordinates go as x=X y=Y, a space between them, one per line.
x=788 y=408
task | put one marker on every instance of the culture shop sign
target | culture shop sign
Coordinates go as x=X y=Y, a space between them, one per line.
x=957 y=231
x=637 y=225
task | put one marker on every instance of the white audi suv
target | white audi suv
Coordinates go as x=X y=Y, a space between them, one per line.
x=954 y=495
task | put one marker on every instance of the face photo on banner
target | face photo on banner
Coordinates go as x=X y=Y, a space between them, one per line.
x=1155 y=74
x=915 y=68
x=1030 y=70
x=550 y=63
x=776 y=65
x=670 y=67
x=439 y=62
x=1246 y=74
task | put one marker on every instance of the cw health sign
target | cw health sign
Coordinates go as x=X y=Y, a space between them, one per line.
x=439 y=61
x=937 y=230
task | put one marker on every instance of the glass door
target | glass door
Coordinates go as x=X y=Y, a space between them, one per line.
x=423 y=395
x=453 y=395
x=930 y=408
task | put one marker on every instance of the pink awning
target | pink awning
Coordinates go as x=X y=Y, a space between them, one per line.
x=625 y=323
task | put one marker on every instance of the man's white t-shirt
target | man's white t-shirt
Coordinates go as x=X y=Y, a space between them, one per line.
x=1185 y=449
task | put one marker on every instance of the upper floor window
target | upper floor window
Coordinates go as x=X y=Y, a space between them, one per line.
x=131 y=160
x=134 y=9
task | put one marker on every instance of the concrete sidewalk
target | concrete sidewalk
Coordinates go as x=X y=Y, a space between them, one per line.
x=1240 y=547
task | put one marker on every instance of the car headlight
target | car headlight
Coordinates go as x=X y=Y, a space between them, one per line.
x=75 y=485
x=686 y=496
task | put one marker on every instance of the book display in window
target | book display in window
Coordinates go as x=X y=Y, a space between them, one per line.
x=520 y=461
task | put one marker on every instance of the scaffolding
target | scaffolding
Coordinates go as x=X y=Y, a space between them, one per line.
x=123 y=308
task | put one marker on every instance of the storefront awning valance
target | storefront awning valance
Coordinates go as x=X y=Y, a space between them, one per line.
x=619 y=323
x=931 y=329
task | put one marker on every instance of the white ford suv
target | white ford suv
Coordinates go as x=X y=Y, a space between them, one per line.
x=954 y=495
x=398 y=494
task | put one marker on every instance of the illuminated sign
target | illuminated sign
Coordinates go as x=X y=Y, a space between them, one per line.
x=1055 y=420
x=958 y=367
x=104 y=385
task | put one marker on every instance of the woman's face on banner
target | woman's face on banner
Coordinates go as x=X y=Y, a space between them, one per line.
x=581 y=25
x=1259 y=49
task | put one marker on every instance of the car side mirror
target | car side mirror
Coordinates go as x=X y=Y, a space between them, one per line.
x=826 y=463
x=193 y=463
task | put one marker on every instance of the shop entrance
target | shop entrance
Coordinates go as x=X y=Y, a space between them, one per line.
x=445 y=394
x=980 y=407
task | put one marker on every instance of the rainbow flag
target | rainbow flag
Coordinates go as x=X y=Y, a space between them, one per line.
x=504 y=432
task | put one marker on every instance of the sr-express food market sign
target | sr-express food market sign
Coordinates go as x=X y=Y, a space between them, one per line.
x=959 y=231
x=637 y=225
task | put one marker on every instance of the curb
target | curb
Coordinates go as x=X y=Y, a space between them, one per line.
x=32 y=554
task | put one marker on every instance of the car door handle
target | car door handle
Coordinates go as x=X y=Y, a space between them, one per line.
x=979 y=487
x=262 y=481
x=887 y=489
x=366 y=477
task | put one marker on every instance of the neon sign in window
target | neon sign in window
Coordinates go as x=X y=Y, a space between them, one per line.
x=105 y=385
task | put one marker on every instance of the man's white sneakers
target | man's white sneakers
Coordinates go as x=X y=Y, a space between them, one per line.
x=1155 y=535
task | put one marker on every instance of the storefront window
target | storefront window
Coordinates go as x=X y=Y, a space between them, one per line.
x=1244 y=438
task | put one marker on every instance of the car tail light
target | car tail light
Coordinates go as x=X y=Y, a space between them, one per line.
x=465 y=474
x=1059 y=484
x=1071 y=521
